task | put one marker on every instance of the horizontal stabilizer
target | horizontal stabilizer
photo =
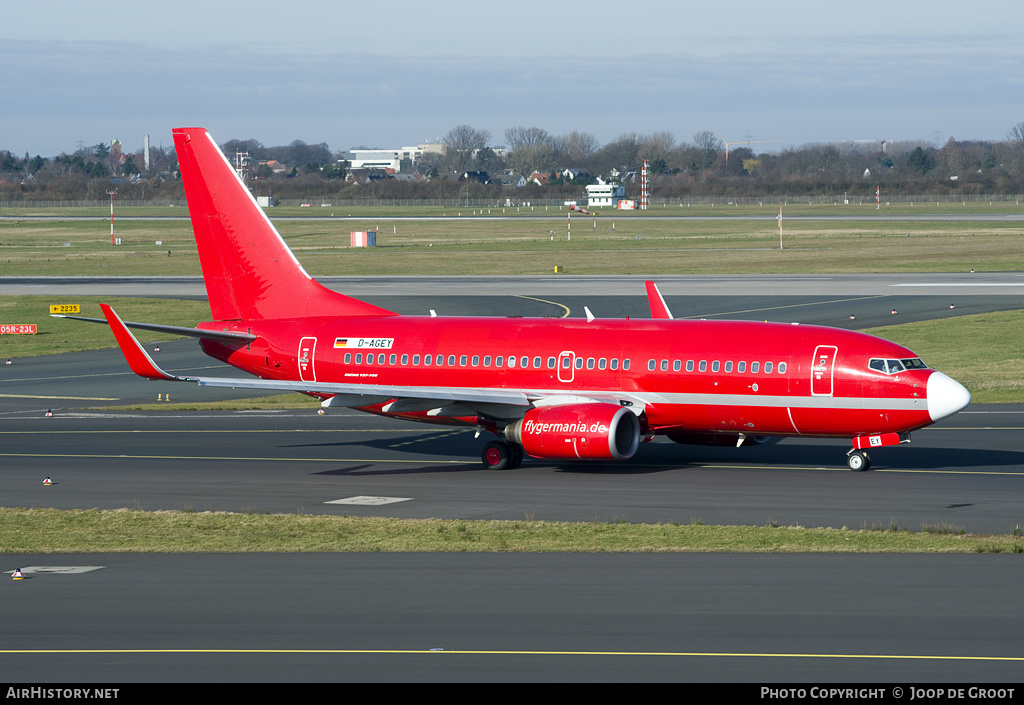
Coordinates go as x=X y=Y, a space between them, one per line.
x=226 y=335
x=138 y=359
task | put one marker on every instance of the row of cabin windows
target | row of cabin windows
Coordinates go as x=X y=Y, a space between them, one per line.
x=741 y=367
x=499 y=361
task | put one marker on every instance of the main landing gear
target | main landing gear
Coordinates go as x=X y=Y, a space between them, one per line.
x=499 y=455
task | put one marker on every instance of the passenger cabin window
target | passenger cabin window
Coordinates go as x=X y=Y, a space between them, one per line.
x=348 y=358
x=782 y=368
x=536 y=362
x=741 y=367
x=416 y=360
x=551 y=363
x=625 y=364
x=614 y=364
x=754 y=367
x=767 y=368
x=689 y=365
x=651 y=364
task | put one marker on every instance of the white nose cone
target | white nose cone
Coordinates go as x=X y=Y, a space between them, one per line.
x=946 y=396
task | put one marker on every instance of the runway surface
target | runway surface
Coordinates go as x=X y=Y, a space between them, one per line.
x=510 y=617
x=904 y=620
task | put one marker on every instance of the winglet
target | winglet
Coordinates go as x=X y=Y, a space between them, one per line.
x=659 y=309
x=138 y=359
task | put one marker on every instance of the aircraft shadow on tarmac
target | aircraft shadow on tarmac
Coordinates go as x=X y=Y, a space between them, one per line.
x=662 y=457
x=907 y=457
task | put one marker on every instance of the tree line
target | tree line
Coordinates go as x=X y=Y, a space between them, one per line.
x=703 y=166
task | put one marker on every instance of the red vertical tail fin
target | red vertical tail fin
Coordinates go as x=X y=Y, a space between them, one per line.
x=250 y=273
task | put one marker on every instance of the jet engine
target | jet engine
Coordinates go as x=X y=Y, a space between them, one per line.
x=587 y=431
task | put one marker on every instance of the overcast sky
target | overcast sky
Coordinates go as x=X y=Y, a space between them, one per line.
x=397 y=73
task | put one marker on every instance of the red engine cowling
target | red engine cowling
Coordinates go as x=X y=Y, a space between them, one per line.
x=586 y=431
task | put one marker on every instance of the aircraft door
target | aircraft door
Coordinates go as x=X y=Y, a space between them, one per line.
x=566 y=365
x=307 y=349
x=821 y=370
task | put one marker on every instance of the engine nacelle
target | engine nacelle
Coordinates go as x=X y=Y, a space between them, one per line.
x=716 y=439
x=586 y=431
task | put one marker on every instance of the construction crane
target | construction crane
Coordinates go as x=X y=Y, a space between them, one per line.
x=727 y=144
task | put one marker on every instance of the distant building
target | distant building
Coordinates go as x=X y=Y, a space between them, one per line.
x=605 y=195
x=389 y=158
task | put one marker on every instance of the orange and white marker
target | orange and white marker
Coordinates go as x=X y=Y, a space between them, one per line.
x=49 y=413
x=16 y=575
x=47 y=481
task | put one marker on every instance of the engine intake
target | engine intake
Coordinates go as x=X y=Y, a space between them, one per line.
x=588 y=431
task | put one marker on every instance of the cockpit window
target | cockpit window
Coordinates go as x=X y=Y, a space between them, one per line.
x=891 y=367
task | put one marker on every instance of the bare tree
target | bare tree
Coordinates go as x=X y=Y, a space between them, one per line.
x=709 y=146
x=576 y=148
x=1016 y=135
x=530 y=149
x=460 y=144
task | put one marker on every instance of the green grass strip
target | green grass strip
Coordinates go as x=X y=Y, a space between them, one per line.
x=41 y=530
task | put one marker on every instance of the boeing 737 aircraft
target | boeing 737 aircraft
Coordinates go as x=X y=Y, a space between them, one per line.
x=548 y=388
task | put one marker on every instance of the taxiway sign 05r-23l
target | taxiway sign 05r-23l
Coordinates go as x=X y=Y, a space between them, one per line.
x=549 y=388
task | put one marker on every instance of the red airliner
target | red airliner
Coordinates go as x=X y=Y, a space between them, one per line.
x=548 y=388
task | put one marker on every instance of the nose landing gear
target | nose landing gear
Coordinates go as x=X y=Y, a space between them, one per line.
x=858 y=460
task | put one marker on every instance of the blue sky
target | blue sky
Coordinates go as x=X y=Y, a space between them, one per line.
x=401 y=73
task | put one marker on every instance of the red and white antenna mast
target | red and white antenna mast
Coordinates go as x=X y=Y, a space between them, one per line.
x=645 y=185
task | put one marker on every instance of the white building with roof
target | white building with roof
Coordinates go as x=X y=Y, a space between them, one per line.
x=605 y=195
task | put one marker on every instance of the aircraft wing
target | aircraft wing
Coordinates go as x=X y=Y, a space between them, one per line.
x=452 y=401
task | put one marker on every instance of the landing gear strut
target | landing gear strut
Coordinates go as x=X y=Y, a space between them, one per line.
x=858 y=460
x=499 y=455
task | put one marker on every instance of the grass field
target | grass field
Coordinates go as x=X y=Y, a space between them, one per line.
x=115 y=531
x=462 y=245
